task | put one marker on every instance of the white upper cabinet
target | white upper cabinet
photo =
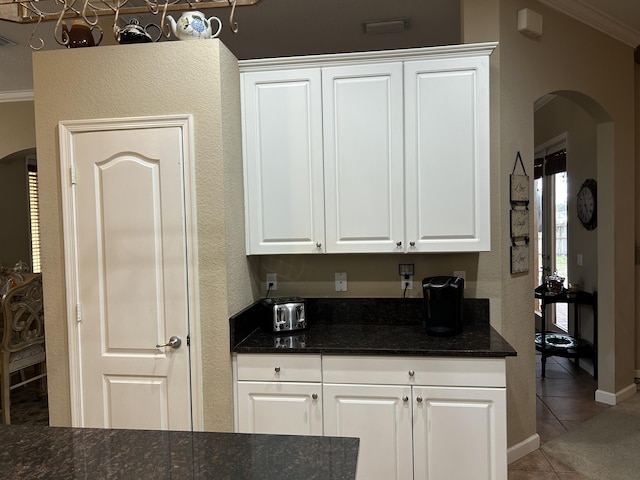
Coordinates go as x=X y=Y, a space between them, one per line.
x=363 y=157
x=447 y=154
x=282 y=141
x=368 y=152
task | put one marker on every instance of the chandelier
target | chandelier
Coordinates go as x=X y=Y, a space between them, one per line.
x=90 y=11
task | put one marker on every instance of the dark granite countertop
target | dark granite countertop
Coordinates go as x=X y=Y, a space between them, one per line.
x=372 y=326
x=53 y=453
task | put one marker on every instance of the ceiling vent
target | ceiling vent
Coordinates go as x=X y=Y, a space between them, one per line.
x=386 y=26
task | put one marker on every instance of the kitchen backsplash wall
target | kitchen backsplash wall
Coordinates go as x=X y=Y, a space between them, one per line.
x=368 y=275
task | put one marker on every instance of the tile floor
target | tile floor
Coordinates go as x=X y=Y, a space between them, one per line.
x=564 y=399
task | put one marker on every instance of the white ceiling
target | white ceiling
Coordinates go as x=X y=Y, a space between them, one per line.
x=297 y=27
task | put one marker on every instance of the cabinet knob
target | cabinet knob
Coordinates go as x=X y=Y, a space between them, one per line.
x=398 y=244
x=412 y=244
x=411 y=373
x=314 y=396
x=405 y=399
x=419 y=399
x=277 y=369
x=318 y=245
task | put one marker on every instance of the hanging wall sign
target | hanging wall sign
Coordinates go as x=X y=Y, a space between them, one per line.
x=519 y=183
x=519 y=216
x=520 y=224
x=520 y=258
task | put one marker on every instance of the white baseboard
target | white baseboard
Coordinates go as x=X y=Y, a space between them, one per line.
x=525 y=447
x=615 y=398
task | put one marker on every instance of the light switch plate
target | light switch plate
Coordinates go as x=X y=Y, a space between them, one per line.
x=341 y=282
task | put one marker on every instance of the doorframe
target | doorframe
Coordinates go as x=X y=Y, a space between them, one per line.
x=66 y=130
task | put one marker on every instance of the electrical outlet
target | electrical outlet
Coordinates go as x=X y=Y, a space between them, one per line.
x=403 y=284
x=272 y=278
x=462 y=274
x=341 y=282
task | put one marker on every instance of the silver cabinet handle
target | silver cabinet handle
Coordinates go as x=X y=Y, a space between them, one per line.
x=314 y=396
x=412 y=244
x=419 y=399
x=174 y=342
x=277 y=369
x=398 y=244
x=405 y=399
x=411 y=373
x=318 y=245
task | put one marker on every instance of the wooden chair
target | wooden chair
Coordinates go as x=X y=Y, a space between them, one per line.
x=22 y=329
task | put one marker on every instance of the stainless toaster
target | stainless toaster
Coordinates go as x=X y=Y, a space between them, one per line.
x=288 y=314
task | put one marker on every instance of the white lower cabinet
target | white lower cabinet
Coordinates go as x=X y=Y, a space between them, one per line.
x=381 y=419
x=459 y=433
x=279 y=394
x=422 y=418
x=280 y=408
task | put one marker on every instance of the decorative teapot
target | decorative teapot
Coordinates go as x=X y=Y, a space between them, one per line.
x=133 y=32
x=194 y=25
x=79 y=35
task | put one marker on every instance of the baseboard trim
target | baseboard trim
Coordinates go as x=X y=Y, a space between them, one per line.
x=609 y=398
x=524 y=448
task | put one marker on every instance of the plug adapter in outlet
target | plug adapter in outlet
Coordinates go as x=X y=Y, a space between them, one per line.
x=403 y=284
x=272 y=279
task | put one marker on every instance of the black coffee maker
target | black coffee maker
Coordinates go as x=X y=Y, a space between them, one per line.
x=443 y=299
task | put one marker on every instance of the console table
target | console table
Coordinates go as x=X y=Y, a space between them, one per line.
x=564 y=345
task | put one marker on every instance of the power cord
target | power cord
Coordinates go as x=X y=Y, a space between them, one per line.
x=269 y=289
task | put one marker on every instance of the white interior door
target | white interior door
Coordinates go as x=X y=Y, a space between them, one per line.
x=126 y=243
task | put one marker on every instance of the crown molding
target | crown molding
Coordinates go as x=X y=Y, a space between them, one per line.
x=593 y=17
x=16 y=96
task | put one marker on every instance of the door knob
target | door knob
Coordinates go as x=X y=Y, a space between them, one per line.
x=174 y=342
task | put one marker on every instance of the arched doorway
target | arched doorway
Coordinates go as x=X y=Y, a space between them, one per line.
x=594 y=255
x=18 y=183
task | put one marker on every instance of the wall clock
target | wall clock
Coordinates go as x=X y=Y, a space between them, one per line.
x=587 y=204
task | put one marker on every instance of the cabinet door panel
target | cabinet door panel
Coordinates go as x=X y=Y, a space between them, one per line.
x=381 y=419
x=460 y=433
x=363 y=146
x=447 y=154
x=280 y=408
x=282 y=124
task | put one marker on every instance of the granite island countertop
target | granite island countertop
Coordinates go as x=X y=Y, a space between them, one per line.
x=368 y=326
x=56 y=453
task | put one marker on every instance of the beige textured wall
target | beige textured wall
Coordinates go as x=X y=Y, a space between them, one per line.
x=17 y=127
x=140 y=80
x=601 y=69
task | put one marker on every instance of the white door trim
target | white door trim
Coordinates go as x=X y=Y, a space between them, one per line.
x=66 y=131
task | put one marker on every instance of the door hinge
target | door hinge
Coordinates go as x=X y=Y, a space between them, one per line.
x=72 y=174
x=78 y=312
x=188 y=340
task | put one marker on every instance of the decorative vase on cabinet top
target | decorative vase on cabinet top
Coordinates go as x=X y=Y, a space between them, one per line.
x=194 y=26
x=133 y=32
x=79 y=35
